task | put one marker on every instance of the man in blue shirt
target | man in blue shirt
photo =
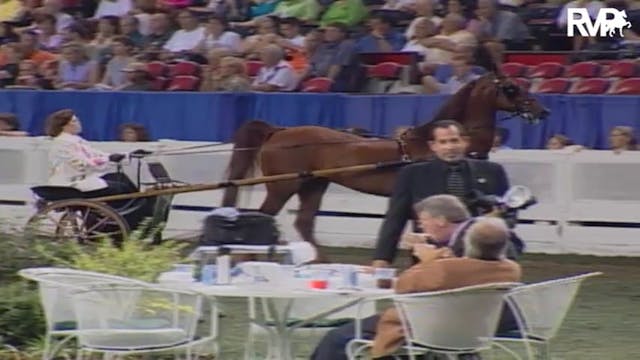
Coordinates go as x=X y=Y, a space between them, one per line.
x=462 y=75
x=382 y=38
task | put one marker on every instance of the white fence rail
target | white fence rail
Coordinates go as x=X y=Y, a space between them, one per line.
x=589 y=202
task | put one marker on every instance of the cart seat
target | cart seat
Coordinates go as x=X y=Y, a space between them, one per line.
x=56 y=193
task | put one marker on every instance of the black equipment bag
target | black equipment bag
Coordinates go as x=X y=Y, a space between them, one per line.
x=250 y=228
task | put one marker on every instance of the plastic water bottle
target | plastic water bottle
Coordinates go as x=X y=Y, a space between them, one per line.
x=223 y=264
x=349 y=277
x=208 y=274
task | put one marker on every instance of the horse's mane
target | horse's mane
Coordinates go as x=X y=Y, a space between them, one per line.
x=454 y=108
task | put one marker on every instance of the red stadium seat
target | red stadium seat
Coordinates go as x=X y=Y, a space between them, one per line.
x=253 y=67
x=554 y=86
x=157 y=68
x=547 y=70
x=513 y=70
x=525 y=84
x=159 y=83
x=586 y=69
x=385 y=70
x=318 y=84
x=184 y=83
x=629 y=86
x=185 y=68
x=590 y=86
x=622 y=69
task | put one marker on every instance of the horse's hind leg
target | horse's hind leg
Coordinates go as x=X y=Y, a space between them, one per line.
x=310 y=195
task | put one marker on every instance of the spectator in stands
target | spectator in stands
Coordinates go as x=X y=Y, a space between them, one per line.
x=76 y=71
x=122 y=56
x=7 y=34
x=622 y=138
x=276 y=74
x=113 y=8
x=10 y=126
x=347 y=12
x=211 y=71
x=306 y=10
x=453 y=39
x=559 y=141
x=462 y=75
x=160 y=31
x=188 y=37
x=49 y=39
x=230 y=77
x=130 y=27
x=593 y=7
x=77 y=33
x=500 y=137
x=382 y=37
x=336 y=59
x=28 y=76
x=9 y=70
x=100 y=46
x=423 y=29
x=291 y=37
x=267 y=34
x=217 y=36
x=30 y=50
x=138 y=78
x=54 y=7
x=423 y=9
x=496 y=29
x=132 y=132
x=484 y=261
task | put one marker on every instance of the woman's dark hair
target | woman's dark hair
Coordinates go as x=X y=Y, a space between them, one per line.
x=220 y=19
x=141 y=131
x=57 y=121
x=11 y=120
x=114 y=21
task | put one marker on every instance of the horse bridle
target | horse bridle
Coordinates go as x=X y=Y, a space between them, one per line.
x=511 y=92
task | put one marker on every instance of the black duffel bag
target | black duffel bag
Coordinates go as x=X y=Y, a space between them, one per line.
x=249 y=228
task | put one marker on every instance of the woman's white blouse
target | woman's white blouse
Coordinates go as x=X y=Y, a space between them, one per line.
x=73 y=162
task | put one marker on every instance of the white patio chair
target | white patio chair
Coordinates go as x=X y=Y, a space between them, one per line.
x=55 y=286
x=539 y=310
x=451 y=322
x=159 y=320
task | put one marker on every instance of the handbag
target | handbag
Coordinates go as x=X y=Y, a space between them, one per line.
x=248 y=228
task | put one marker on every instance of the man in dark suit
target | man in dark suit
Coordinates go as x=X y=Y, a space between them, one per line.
x=450 y=172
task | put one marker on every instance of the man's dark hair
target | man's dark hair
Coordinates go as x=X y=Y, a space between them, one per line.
x=445 y=124
x=290 y=21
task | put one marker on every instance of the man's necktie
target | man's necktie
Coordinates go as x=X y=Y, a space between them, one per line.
x=455 y=182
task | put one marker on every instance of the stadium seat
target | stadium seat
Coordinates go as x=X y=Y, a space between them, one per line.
x=253 y=67
x=586 y=69
x=182 y=68
x=622 y=69
x=318 y=84
x=385 y=70
x=523 y=83
x=159 y=83
x=590 y=86
x=547 y=70
x=184 y=83
x=629 y=86
x=554 y=86
x=513 y=70
x=157 y=68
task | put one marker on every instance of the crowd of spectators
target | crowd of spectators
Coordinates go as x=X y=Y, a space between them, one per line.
x=108 y=45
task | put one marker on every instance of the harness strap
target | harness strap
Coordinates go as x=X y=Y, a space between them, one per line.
x=402 y=148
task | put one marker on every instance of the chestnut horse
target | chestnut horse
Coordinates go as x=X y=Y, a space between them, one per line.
x=309 y=148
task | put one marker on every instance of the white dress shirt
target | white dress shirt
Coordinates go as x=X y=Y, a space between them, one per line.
x=73 y=162
x=281 y=75
x=183 y=40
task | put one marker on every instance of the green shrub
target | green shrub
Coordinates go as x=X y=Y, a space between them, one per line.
x=21 y=317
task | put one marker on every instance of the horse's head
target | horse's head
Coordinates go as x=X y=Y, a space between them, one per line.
x=512 y=98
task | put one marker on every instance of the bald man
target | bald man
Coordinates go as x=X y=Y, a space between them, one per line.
x=276 y=74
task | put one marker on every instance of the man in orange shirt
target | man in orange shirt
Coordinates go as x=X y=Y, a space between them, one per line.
x=29 y=49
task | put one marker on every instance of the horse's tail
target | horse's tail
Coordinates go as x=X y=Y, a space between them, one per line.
x=247 y=142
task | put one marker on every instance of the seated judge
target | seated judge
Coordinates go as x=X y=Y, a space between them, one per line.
x=484 y=262
x=73 y=162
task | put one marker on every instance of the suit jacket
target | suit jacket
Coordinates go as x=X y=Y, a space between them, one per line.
x=441 y=274
x=73 y=162
x=418 y=181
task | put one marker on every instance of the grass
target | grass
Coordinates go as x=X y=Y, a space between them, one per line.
x=602 y=324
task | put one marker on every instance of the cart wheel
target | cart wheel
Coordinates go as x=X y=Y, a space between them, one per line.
x=83 y=221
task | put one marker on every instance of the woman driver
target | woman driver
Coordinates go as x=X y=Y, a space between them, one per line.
x=73 y=162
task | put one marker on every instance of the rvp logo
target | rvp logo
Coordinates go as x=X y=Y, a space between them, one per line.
x=607 y=22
